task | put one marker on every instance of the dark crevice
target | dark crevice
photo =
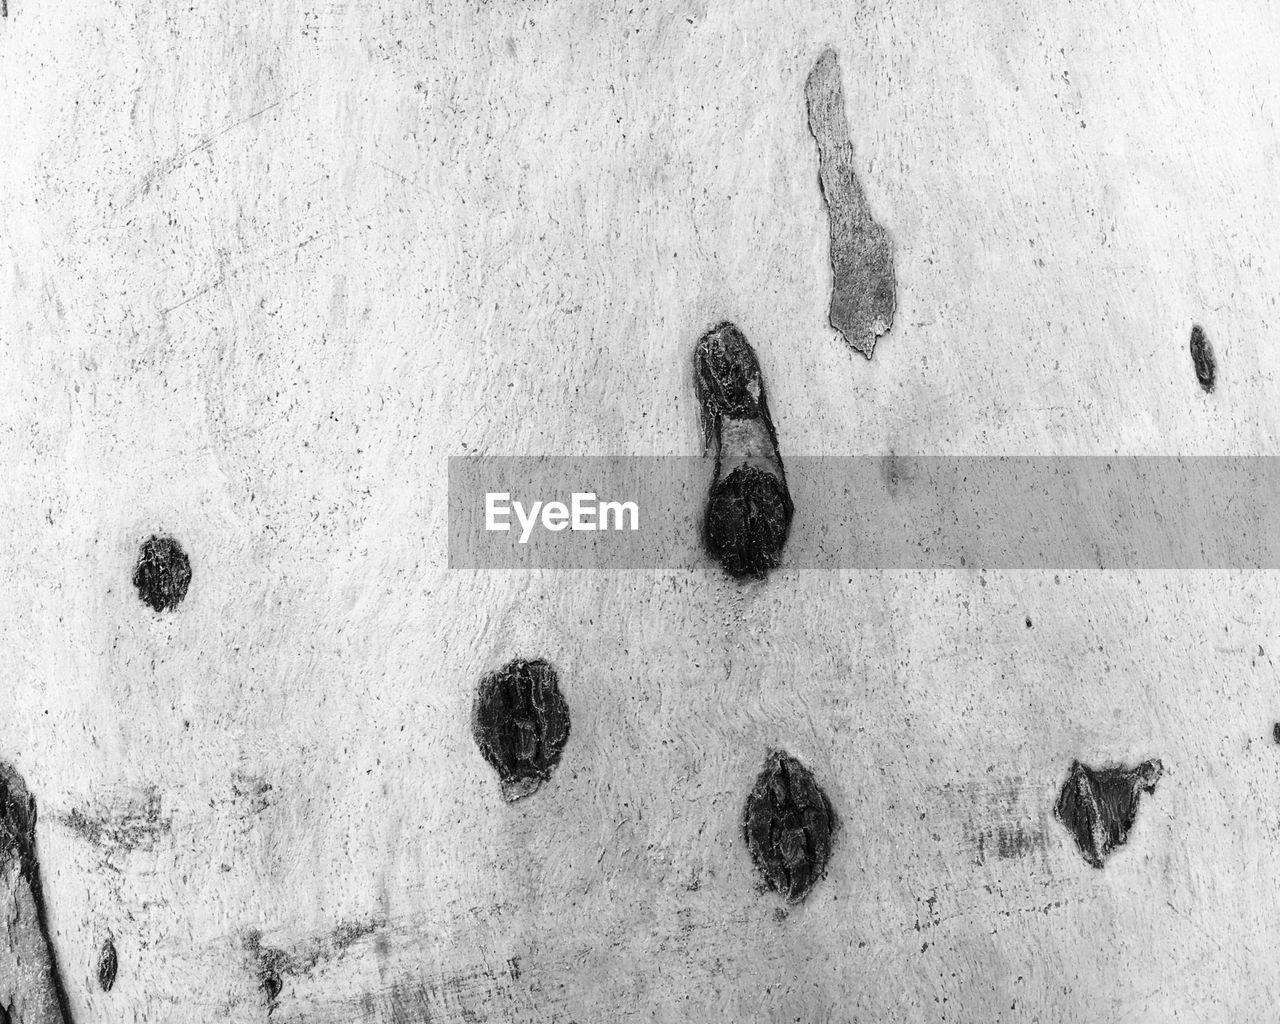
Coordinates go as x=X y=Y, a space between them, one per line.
x=18 y=841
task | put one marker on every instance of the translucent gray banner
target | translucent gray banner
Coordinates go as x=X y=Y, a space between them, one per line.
x=891 y=512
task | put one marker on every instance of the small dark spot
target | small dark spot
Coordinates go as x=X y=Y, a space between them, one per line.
x=271 y=984
x=520 y=721
x=789 y=825
x=1028 y=622
x=780 y=914
x=1099 y=806
x=1202 y=356
x=107 y=965
x=1275 y=732
x=162 y=574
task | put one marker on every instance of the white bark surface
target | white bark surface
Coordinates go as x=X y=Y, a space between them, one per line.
x=265 y=266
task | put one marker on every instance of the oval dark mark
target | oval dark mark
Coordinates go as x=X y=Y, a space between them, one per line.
x=162 y=574
x=1275 y=732
x=748 y=518
x=1202 y=357
x=520 y=721
x=107 y=965
x=271 y=984
x=789 y=825
x=1028 y=622
x=1099 y=805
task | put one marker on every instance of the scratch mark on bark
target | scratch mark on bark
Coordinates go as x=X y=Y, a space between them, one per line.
x=161 y=169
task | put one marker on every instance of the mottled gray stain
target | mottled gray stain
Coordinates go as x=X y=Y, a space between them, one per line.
x=789 y=826
x=749 y=509
x=1100 y=805
x=118 y=830
x=1203 y=360
x=268 y=964
x=520 y=721
x=863 y=288
x=162 y=573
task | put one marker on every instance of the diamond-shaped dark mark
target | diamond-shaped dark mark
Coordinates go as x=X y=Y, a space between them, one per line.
x=789 y=825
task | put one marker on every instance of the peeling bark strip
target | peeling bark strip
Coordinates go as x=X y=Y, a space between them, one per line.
x=749 y=510
x=108 y=964
x=863 y=289
x=1202 y=357
x=789 y=826
x=162 y=574
x=1099 y=806
x=30 y=989
x=521 y=722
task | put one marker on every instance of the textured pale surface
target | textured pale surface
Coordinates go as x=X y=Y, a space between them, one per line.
x=266 y=265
